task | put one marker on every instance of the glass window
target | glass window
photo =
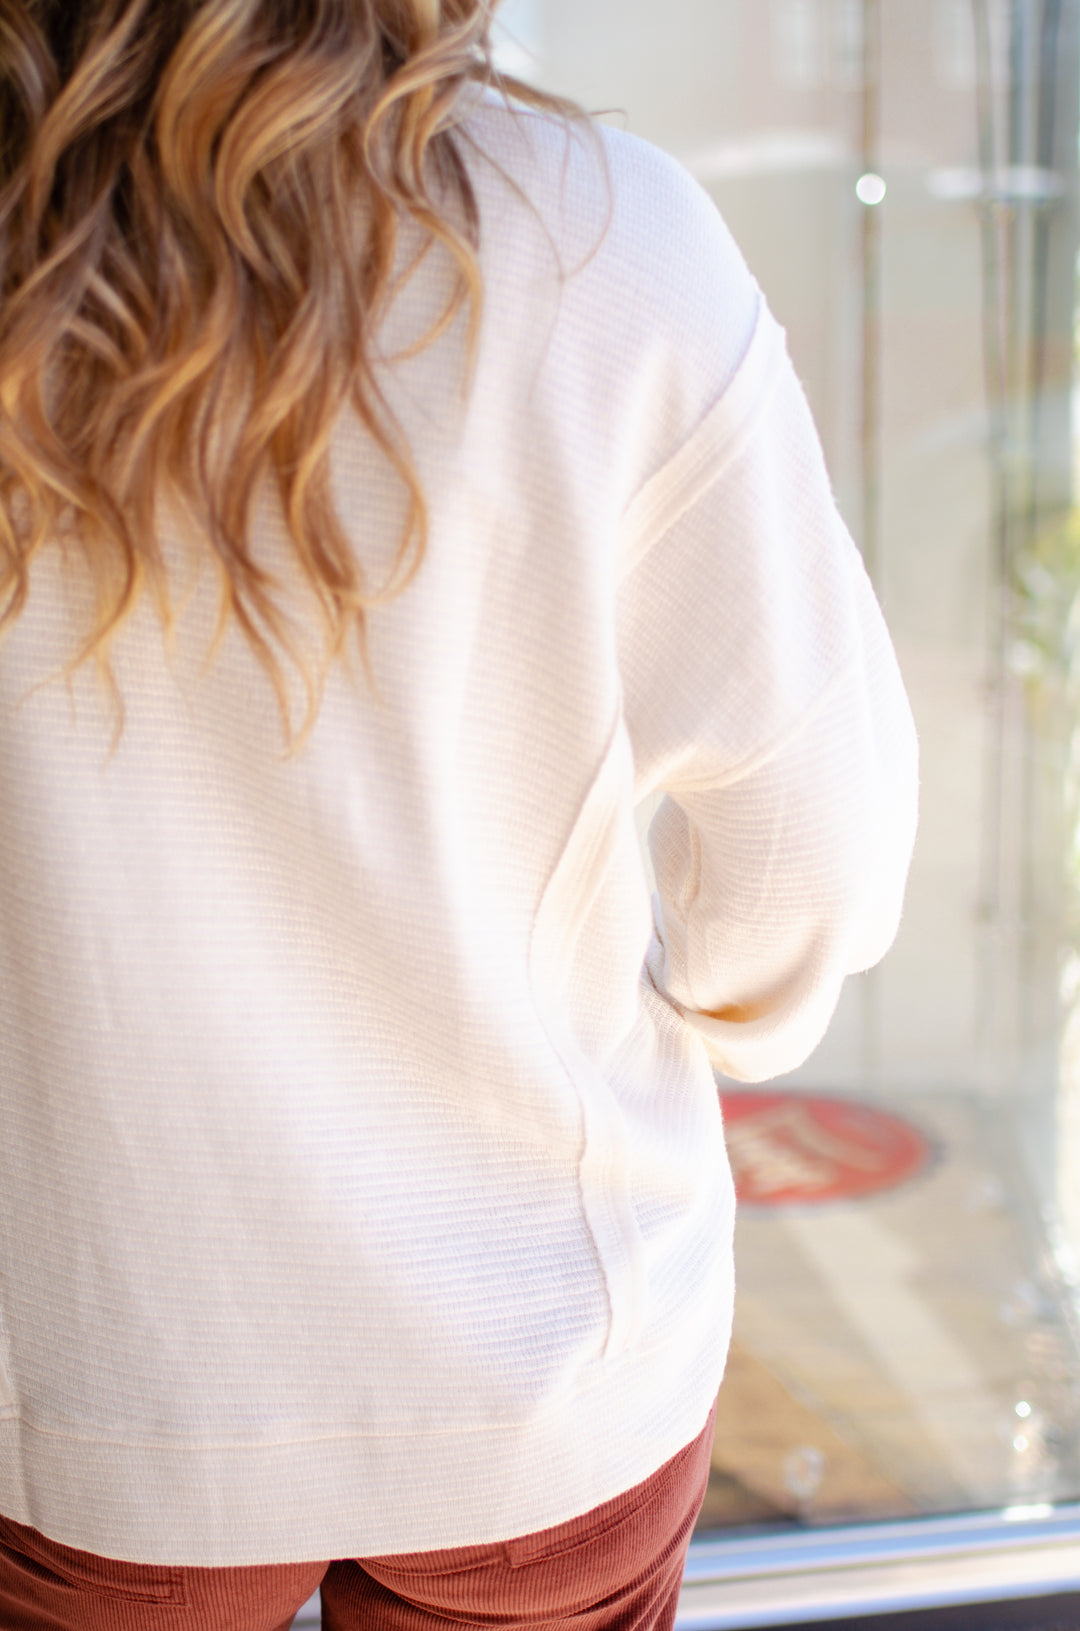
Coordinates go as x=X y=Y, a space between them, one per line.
x=902 y=177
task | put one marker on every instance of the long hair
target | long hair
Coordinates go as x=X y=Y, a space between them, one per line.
x=200 y=203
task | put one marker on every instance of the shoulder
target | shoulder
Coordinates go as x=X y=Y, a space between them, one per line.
x=648 y=270
x=602 y=189
x=676 y=253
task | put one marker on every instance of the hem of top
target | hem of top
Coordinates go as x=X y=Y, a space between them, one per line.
x=247 y=1503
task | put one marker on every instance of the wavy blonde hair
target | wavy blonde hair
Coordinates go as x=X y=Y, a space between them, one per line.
x=200 y=203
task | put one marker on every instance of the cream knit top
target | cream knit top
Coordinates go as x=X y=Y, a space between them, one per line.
x=362 y=1181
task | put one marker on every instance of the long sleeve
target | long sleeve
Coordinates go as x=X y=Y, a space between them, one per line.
x=763 y=696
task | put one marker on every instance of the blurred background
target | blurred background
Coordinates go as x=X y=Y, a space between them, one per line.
x=902 y=178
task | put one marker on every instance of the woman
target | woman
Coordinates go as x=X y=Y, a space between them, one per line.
x=400 y=484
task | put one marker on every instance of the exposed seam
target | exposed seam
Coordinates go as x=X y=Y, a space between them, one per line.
x=705 y=456
x=589 y=871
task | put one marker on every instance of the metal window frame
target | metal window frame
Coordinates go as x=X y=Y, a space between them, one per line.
x=829 y=1574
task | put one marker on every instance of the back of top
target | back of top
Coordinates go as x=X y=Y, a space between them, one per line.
x=361 y=1138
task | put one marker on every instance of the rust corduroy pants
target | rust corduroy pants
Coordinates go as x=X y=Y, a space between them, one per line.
x=618 y=1568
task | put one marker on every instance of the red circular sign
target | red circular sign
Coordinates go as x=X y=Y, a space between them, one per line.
x=795 y=1147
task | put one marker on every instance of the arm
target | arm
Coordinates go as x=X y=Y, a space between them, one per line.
x=762 y=694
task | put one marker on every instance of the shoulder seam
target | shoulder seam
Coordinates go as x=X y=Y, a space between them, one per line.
x=710 y=449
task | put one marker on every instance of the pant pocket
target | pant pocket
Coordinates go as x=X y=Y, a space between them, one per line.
x=64 y=1569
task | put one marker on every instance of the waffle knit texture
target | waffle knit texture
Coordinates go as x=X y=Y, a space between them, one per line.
x=616 y=1568
x=362 y=1179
